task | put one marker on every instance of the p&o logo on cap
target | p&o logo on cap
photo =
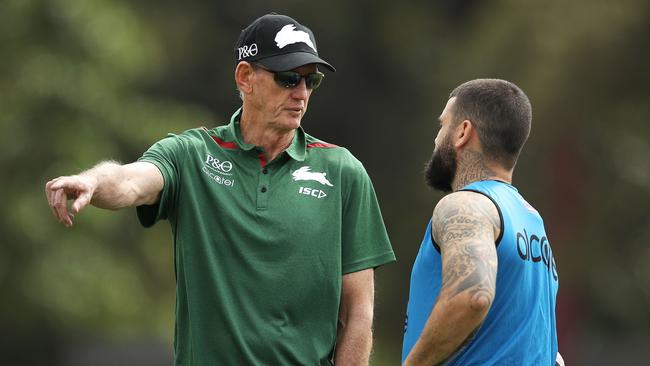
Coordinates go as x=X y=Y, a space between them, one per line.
x=247 y=51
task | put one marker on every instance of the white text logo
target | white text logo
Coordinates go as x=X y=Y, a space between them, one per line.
x=223 y=167
x=217 y=178
x=289 y=35
x=304 y=173
x=215 y=168
x=312 y=192
x=247 y=51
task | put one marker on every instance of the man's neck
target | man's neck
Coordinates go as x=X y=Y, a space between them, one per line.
x=473 y=167
x=273 y=141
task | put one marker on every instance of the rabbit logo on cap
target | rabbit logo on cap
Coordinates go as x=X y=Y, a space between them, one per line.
x=289 y=35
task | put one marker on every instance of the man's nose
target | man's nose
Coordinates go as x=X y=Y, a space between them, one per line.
x=300 y=91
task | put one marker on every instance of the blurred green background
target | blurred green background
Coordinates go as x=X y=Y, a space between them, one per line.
x=86 y=80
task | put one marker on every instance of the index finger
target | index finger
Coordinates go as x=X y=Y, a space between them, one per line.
x=69 y=183
x=60 y=206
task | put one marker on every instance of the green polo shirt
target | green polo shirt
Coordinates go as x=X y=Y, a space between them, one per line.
x=260 y=247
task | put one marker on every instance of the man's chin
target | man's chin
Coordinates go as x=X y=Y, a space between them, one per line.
x=289 y=123
x=293 y=118
x=438 y=174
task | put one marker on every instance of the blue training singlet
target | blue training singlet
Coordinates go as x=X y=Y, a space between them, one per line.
x=519 y=328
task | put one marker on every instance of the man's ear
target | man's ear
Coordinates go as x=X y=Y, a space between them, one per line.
x=244 y=74
x=464 y=132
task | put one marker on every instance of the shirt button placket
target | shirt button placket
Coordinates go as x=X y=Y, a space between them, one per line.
x=263 y=189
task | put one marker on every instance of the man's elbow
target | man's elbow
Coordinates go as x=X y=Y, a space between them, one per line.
x=481 y=301
x=361 y=317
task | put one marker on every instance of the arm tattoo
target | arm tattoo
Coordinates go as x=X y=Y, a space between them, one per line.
x=464 y=227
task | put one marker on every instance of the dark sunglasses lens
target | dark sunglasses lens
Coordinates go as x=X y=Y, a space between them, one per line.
x=313 y=80
x=287 y=79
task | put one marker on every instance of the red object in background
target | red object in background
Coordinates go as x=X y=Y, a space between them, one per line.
x=566 y=185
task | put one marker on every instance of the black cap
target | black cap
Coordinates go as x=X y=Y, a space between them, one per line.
x=279 y=43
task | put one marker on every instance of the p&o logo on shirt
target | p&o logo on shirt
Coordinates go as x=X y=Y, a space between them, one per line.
x=305 y=173
x=216 y=168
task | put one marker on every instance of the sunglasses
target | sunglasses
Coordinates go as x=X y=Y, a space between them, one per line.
x=290 y=79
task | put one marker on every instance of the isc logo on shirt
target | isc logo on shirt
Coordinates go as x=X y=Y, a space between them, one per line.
x=312 y=192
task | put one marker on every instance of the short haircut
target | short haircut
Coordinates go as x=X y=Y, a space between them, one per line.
x=501 y=113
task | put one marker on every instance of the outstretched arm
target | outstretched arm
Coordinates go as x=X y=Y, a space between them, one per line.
x=354 y=340
x=465 y=225
x=107 y=185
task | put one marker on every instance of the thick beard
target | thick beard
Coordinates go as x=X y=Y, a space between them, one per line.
x=441 y=168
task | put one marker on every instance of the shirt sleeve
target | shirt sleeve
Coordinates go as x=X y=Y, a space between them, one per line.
x=167 y=155
x=365 y=241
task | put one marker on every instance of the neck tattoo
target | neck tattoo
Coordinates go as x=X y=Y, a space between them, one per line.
x=471 y=168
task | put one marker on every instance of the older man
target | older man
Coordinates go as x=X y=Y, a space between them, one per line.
x=276 y=233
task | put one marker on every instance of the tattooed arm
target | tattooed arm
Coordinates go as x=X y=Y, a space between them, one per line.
x=465 y=225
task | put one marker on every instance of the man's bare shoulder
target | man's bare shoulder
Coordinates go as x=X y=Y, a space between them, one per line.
x=464 y=215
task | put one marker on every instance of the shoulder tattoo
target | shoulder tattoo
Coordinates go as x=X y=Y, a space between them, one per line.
x=464 y=228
